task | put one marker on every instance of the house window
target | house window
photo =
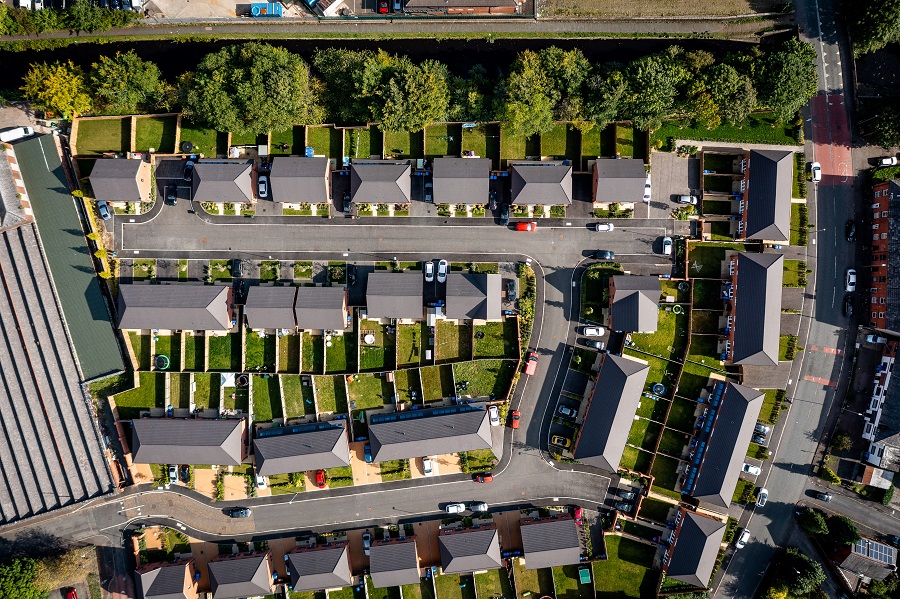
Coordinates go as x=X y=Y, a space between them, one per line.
x=868 y=428
x=884 y=235
x=875 y=226
x=874 y=314
x=874 y=300
x=884 y=214
x=876 y=205
x=881 y=315
x=878 y=194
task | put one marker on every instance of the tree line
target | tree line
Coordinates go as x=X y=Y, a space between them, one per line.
x=256 y=87
x=82 y=15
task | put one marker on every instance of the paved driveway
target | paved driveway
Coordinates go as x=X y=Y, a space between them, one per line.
x=670 y=176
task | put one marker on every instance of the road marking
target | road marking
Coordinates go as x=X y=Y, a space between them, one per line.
x=828 y=350
x=820 y=380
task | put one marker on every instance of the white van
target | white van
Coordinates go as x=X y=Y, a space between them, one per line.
x=17 y=133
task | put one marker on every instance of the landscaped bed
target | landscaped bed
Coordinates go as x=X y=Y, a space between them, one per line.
x=341 y=476
x=298 y=398
x=266 y=398
x=485 y=377
x=437 y=382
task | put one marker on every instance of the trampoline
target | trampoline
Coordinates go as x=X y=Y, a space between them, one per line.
x=161 y=361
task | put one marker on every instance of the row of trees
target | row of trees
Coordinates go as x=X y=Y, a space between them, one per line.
x=82 y=15
x=257 y=87
x=874 y=24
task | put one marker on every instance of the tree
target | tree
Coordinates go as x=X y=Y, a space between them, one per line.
x=472 y=97
x=567 y=70
x=842 y=530
x=800 y=573
x=653 y=85
x=604 y=96
x=17 y=579
x=877 y=25
x=789 y=78
x=528 y=100
x=125 y=81
x=703 y=108
x=414 y=96
x=884 y=588
x=344 y=72
x=250 y=88
x=59 y=87
x=83 y=16
x=886 y=124
x=732 y=91
x=841 y=442
x=813 y=523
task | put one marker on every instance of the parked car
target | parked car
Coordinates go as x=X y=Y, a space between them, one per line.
x=687 y=199
x=647 y=190
x=103 y=210
x=382 y=7
x=751 y=469
x=237 y=268
x=492 y=202
x=367 y=452
x=347 y=202
x=494 y=414
x=667 y=246
x=71 y=594
x=427 y=467
x=238 y=512
x=850 y=230
x=528 y=226
x=398 y=7
x=514 y=419
x=260 y=481
x=762 y=429
x=512 y=290
x=758 y=439
x=604 y=227
x=593 y=331
x=455 y=508
x=595 y=344
x=815 y=170
x=531 y=363
x=173 y=474
x=888 y=161
x=850 y=280
x=876 y=339
x=762 y=497
x=504 y=214
x=478 y=506
x=567 y=412
x=171 y=195
x=561 y=441
x=263 y=191
x=429 y=271
x=188 y=170
x=185 y=474
x=604 y=255
x=826 y=497
x=367 y=542
x=743 y=539
x=623 y=506
x=15 y=133
x=321 y=479
x=485 y=477
x=351 y=274
x=578 y=515
x=429 y=191
x=442 y=271
x=626 y=495
x=848 y=305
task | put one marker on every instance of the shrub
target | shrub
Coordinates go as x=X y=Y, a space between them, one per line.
x=828 y=475
x=888 y=495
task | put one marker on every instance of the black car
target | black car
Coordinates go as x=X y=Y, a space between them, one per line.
x=185 y=474
x=512 y=290
x=171 y=195
x=493 y=199
x=504 y=214
x=188 y=170
x=237 y=269
x=850 y=230
x=623 y=506
x=848 y=305
x=351 y=274
x=758 y=439
x=238 y=512
x=347 y=202
x=604 y=255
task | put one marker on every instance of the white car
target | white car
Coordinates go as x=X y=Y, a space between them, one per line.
x=762 y=497
x=455 y=508
x=647 y=191
x=876 y=339
x=494 y=415
x=889 y=161
x=442 y=271
x=816 y=170
x=851 y=280
x=593 y=331
x=429 y=271
x=743 y=539
x=687 y=199
x=427 y=467
x=751 y=469
x=604 y=227
x=667 y=246
x=263 y=186
x=260 y=481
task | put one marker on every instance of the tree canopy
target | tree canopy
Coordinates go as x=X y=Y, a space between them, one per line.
x=125 y=81
x=876 y=25
x=813 y=522
x=842 y=530
x=789 y=78
x=799 y=573
x=17 y=579
x=59 y=87
x=526 y=106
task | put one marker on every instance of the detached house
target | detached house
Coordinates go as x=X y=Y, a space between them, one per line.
x=299 y=180
x=174 y=307
x=474 y=296
x=319 y=568
x=117 y=180
x=380 y=181
x=170 y=580
x=547 y=183
x=469 y=550
x=394 y=563
x=395 y=295
x=618 y=181
x=223 y=182
x=242 y=575
x=188 y=441
x=634 y=303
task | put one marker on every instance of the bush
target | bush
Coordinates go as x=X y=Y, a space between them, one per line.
x=828 y=475
x=888 y=495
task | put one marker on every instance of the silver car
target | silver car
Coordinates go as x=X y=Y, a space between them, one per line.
x=442 y=271
x=455 y=508
x=429 y=271
x=478 y=506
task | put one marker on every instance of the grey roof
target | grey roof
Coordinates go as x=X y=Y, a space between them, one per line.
x=757 y=310
x=164 y=582
x=611 y=411
x=235 y=577
x=547 y=183
x=183 y=306
x=395 y=295
x=888 y=431
x=426 y=432
x=871 y=559
x=380 y=181
x=317 y=569
x=469 y=551
x=270 y=307
x=223 y=182
x=619 y=180
x=474 y=296
x=892 y=307
x=696 y=549
x=190 y=441
x=297 y=179
x=769 y=195
x=718 y=473
x=11 y=207
x=301 y=448
x=635 y=305
x=551 y=543
x=461 y=180
x=116 y=180
x=394 y=564
x=443 y=4
x=321 y=308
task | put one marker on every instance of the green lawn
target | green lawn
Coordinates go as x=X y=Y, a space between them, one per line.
x=220 y=270
x=681 y=414
x=705 y=259
x=624 y=141
x=403 y=145
x=670 y=338
x=501 y=339
x=330 y=394
x=443 y=140
x=493 y=583
x=670 y=288
x=423 y=590
x=313 y=354
x=410 y=339
x=784 y=347
x=771 y=406
x=672 y=443
x=363 y=143
x=407 y=384
x=758 y=128
x=743 y=489
x=206 y=141
x=266 y=398
x=707 y=294
x=712 y=206
x=143 y=269
x=644 y=434
x=661 y=371
x=285 y=484
x=260 y=352
x=369 y=391
x=298 y=398
x=289 y=353
x=654 y=509
x=452 y=342
x=636 y=459
x=225 y=352
x=247 y=138
x=703 y=350
x=379 y=355
x=388 y=593
x=341 y=356
x=140 y=344
x=512 y=147
x=392 y=470
x=194 y=348
x=796 y=224
x=562 y=141
x=237 y=398
x=293 y=137
x=705 y=322
x=718 y=183
x=532 y=583
x=794 y=273
x=326 y=141
x=150 y=394
x=694 y=378
x=665 y=473
x=437 y=382
x=485 y=377
x=180 y=390
x=103 y=135
x=155 y=132
x=302 y=270
x=206 y=391
x=340 y=476
x=567 y=585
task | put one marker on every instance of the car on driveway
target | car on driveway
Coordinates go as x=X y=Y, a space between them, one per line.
x=442 y=271
x=512 y=290
x=687 y=199
x=887 y=161
x=567 y=412
x=578 y=515
x=593 y=331
x=604 y=255
x=367 y=542
x=492 y=202
x=382 y=7
x=484 y=477
x=762 y=429
x=478 y=506
x=514 y=419
x=71 y=594
x=667 y=246
x=398 y=7
x=367 y=452
x=751 y=469
x=528 y=226
x=623 y=506
x=173 y=474
x=103 y=210
x=762 y=497
x=504 y=214
x=494 y=414
x=260 y=481
x=826 y=497
x=429 y=192
x=263 y=186
x=604 y=227
x=429 y=271
x=427 y=467
x=876 y=339
x=455 y=508
x=321 y=479
x=850 y=280
x=594 y=344
x=185 y=474
x=647 y=189
x=238 y=512
x=561 y=441
x=815 y=170
x=758 y=439
x=850 y=230
x=626 y=495
x=848 y=305
x=188 y=170
x=171 y=195
x=743 y=539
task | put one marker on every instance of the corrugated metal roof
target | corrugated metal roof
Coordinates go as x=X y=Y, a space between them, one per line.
x=727 y=446
x=394 y=564
x=222 y=182
x=232 y=578
x=302 y=451
x=320 y=308
x=635 y=304
x=297 y=179
x=380 y=181
x=474 y=296
x=116 y=180
x=461 y=180
x=610 y=413
x=318 y=569
x=696 y=549
x=270 y=307
x=165 y=582
x=187 y=441
x=769 y=195
x=182 y=306
x=551 y=543
x=757 y=310
x=395 y=295
x=470 y=551
x=429 y=432
x=546 y=183
x=619 y=180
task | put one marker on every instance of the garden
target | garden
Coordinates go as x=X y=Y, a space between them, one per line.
x=313 y=354
x=180 y=390
x=155 y=132
x=341 y=355
x=443 y=140
x=437 y=382
x=207 y=142
x=225 y=352
x=567 y=585
x=289 y=353
x=484 y=378
x=194 y=352
x=369 y=391
x=408 y=386
x=331 y=394
x=298 y=397
x=380 y=354
x=206 y=390
x=260 y=353
x=326 y=141
x=454 y=586
x=532 y=583
x=403 y=145
x=140 y=344
x=496 y=339
x=493 y=583
x=452 y=342
x=151 y=393
x=670 y=338
x=266 y=398
x=96 y=136
x=410 y=339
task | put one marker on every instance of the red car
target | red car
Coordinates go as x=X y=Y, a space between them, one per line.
x=321 y=479
x=526 y=226
x=531 y=363
x=71 y=594
x=514 y=416
x=486 y=477
x=382 y=7
x=577 y=515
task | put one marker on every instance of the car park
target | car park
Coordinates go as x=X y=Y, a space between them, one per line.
x=887 y=161
x=604 y=227
x=815 y=170
x=321 y=479
x=429 y=271
x=743 y=539
x=171 y=195
x=188 y=170
x=848 y=305
x=762 y=497
x=173 y=474
x=850 y=280
x=604 y=255
x=751 y=469
x=442 y=271
x=367 y=453
x=485 y=477
x=826 y=497
x=514 y=419
x=238 y=512
x=623 y=506
x=593 y=331
x=687 y=199
x=367 y=542
x=527 y=226
x=566 y=411
x=103 y=210
x=347 y=202
x=184 y=473
x=876 y=339
x=561 y=441
x=494 y=415
x=427 y=467
x=531 y=363
x=667 y=246
x=850 y=230
x=455 y=508
x=478 y=506
x=512 y=290
x=504 y=214
x=762 y=429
